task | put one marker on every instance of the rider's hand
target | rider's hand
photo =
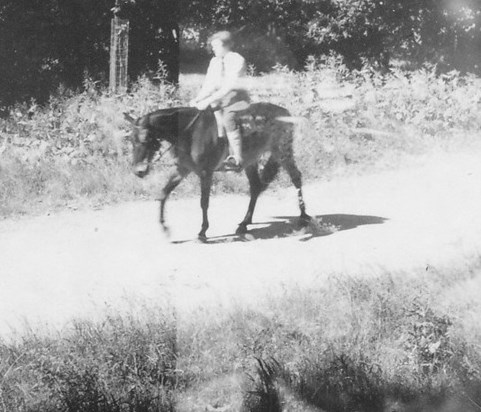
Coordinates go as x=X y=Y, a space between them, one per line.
x=203 y=105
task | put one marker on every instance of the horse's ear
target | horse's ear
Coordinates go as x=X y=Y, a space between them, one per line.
x=129 y=118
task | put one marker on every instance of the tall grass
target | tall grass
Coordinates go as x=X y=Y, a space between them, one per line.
x=404 y=342
x=353 y=345
x=124 y=363
x=73 y=150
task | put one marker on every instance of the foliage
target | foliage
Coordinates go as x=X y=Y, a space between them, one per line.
x=121 y=364
x=264 y=394
x=74 y=149
x=443 y=32
x=79 y=150
x=44 y=44
x=359 y=115
x=351 y=344
x=47 y=43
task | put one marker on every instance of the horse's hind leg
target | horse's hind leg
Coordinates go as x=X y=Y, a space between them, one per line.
x=206 y=183
x=255 y=190
x=173 y=181
x=291 y=168
x=257 y=185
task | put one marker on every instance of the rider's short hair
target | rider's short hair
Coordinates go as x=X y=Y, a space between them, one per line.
x=224 y=36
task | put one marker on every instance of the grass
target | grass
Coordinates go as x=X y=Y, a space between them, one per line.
x=354 y=345
x=404 y=342
x=73 y=151
x=122 y=363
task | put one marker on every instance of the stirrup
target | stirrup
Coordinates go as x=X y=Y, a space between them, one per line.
x=231 y=165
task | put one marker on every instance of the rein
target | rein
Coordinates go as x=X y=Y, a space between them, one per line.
x=192 y=122
x=159 y=155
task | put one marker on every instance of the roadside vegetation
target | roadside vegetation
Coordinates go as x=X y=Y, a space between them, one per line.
x=73 y=152
x=400 y=342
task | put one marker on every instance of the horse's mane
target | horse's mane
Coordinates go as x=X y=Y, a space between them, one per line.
x=172 y=111
x=173 y=122
x=168 y=116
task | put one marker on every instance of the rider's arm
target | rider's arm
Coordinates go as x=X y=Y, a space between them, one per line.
x=235 y=70
x=209 y=86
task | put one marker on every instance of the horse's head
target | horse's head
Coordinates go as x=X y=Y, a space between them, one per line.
x=176 y=125
x=144 y=143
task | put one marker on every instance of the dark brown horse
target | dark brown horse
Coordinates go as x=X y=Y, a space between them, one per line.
x=268 y=134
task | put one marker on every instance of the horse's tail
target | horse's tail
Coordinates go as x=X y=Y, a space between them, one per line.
x=305 y=134
x=293 y=119
x=302 y=125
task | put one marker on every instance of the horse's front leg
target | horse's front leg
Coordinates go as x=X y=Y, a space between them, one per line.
x=205 y=183
x=174 y=179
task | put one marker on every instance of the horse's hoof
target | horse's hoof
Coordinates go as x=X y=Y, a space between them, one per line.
x=241 y=229
x=165 y=230
x=202 y=238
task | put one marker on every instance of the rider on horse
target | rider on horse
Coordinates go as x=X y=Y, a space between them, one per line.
x=223 y=91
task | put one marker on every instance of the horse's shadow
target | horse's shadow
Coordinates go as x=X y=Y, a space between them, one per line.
x=288 y=227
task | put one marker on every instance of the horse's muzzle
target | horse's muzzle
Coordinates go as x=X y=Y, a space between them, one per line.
x=141 y=169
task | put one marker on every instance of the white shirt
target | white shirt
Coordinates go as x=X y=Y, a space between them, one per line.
x=225 y=72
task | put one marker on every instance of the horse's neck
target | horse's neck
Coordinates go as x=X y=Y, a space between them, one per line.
x=202 y=135
x=201 y=127
x=187 y=131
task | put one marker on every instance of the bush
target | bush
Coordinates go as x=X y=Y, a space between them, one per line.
x=73 y=149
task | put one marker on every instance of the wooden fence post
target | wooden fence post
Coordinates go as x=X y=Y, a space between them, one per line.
x=119 y=53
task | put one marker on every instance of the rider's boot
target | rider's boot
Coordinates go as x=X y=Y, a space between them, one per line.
x=234 y=161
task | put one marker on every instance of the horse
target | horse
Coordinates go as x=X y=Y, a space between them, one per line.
x=268 y=135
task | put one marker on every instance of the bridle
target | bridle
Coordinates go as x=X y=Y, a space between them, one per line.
x=159 y=155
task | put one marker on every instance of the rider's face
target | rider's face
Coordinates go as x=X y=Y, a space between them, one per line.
x=219 y=48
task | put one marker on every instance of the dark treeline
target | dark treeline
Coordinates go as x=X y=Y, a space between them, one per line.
x=45 y=43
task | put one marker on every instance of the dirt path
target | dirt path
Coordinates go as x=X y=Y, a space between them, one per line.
x=73 y=264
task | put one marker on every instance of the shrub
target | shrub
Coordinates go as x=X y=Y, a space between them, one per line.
x=357 y=121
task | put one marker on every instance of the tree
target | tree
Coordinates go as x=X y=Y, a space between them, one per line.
x=45 y=43
x=447 y=32
x=154 y=36
x=269 y=31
